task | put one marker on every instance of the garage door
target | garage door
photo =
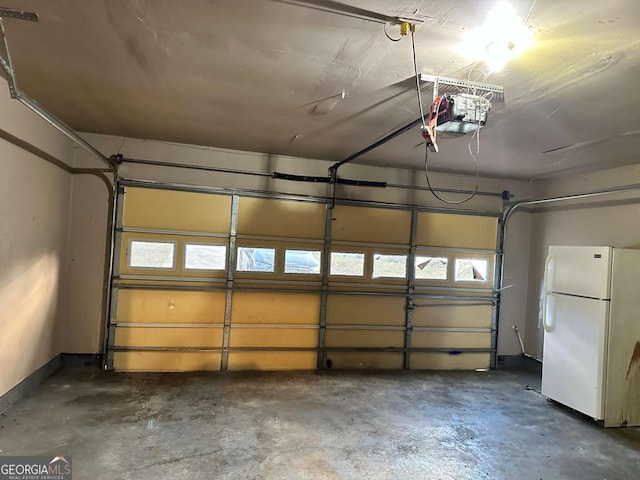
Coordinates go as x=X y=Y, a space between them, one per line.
x=366 y=304
x=410 y=289
x=170 y=298
x=209 y=281
x=454 y=303
x=276 y=298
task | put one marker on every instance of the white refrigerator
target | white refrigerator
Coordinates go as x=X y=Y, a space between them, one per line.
x=591 y=319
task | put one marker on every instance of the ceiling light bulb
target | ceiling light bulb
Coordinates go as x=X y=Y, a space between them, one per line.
x=498 y=54
x=502 y=14
x=501 y=38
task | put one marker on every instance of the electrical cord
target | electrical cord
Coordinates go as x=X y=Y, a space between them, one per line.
x=442 y=199
x=481 y=77
x=384 y=27
x=473 y=66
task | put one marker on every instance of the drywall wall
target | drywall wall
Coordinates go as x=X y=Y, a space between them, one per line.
x=34 y=200
x=85 y=282
x=89 y=202
x=515 y=283
x=604 y=220
x=265 y=163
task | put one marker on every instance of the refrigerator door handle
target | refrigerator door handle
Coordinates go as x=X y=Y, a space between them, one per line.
x=548 y=315
x=549 y=266
x=542 y=312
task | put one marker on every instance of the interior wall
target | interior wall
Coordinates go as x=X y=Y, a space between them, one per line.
x=82 y=329
x=265 y=163
x=604 y=220
x=34 y=202
x=88 y=290
x=515 y=284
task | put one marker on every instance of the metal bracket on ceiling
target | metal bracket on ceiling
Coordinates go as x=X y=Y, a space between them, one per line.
x=5 y=58
x=7 y=71
x=6 y=64
x=455 y=85
x=18 y=14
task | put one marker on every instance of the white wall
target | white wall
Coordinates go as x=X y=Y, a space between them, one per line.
x=515 y=283
x=604 y=220
x=34 y=203
x=257 y=162
x=85 y=284
x=90 y=203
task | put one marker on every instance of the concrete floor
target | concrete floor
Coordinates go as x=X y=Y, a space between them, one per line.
x=406 y=425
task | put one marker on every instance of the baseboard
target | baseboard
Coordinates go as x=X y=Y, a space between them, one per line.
x=519 y=362
x=76 y=360
x=62 y=360
x=29 y=384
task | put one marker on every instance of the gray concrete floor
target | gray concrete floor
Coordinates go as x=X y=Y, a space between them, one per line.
x=408 y=425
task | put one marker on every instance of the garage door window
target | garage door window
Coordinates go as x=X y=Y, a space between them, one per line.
x=256 y=259
x=389 y=266
x=204 y=257
x=471 y=270
x=302 y=261
x=348 y=264
x=431 y=268
x=148 y=254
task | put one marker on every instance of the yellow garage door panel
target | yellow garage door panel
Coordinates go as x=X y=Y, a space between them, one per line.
x=457 y=231
x=173 y=210
x=472 y=316
x=165 y=306
x=451 y=340
x=270 y=307
x=281 y=218
x=365 y=310
x=168 y=337
x=445 y=361
x=166 y=361
x=371 y=225
x=273 y=360
x=364 y=338
x=391 y=361
x=273 y=337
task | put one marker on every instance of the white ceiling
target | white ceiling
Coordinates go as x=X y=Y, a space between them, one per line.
x=256 y=75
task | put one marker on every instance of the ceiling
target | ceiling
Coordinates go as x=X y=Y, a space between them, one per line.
x=268 y=76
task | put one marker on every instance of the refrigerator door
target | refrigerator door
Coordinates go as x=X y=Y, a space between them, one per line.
x=582 y=271
x=573 y=366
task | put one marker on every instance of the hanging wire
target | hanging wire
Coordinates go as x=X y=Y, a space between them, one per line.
x=445 y=200
x=124 y=139
x=384 y=27
x=473 y=66
x=481 y=77
x=415 y=69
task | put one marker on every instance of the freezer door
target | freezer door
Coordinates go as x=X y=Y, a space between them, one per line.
x=582 y=271
x=574 y=352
